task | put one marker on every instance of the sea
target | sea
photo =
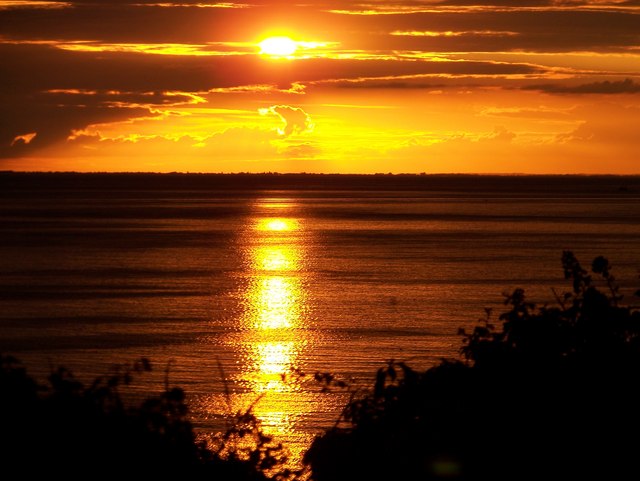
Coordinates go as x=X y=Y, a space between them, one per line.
x=240 y=288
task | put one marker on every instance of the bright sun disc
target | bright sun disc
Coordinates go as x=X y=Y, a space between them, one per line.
x=278 y=46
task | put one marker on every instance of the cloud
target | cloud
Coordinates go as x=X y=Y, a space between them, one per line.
x=501 y=3
x=296 y=120
x=234 y=142
x=295 y=88
x=33 y=4
x=24 y=139
x=54 y=115
x=482 y=26
x=114 y=98
x=196 y=4
x=24 y=67
x=300 y=151
x=607 y=87
x=451 y=33
x=499 y=134
x=235 y=148
x=607 y=124
x=537 y=113
x=53 y=92
x=181 y=49
x=500 y=29
x=179 y=4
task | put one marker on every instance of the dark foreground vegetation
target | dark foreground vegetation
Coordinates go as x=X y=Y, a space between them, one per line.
x=545 y=392
x=75 y=431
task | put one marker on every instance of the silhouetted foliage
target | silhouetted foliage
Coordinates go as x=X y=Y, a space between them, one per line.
x=545 y=393
x=243 y=443
x=73 y=431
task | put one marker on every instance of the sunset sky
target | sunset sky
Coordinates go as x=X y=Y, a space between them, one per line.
x=488 y=86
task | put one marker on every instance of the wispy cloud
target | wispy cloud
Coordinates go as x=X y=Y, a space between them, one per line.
x=114 y=98
x=606 y=87
x=476 y=7
x=5 y=5
x=192 y=5
x=174 y=49
x=451 y=33
x=24 y=138
x=539 y=113
x=295 y=88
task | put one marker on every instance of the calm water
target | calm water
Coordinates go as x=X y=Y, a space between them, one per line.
x=252 y=284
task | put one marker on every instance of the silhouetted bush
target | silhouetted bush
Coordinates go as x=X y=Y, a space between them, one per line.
x=68 y=430
x=548 y=393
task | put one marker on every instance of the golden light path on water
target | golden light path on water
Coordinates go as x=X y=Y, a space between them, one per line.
x=274 y=331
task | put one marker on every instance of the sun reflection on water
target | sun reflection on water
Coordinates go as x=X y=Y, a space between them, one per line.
x=273 y=360
x=277 y=225
x=274 y=303
x=276 y=258
x=273 y=334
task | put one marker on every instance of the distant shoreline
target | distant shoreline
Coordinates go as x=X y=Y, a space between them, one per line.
x=574 y=184
x=307 y=174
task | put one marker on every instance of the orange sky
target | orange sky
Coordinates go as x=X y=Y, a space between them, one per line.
x=506 y=86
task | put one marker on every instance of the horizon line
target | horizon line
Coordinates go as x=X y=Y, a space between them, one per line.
x=361 y=174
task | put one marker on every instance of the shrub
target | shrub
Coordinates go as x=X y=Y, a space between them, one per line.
x=71 y=431
x=548 y=392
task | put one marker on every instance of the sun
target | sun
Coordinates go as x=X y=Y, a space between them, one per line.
x=278 y=46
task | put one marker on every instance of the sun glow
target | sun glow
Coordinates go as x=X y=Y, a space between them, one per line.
x=277 y=225
x=278 y=46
